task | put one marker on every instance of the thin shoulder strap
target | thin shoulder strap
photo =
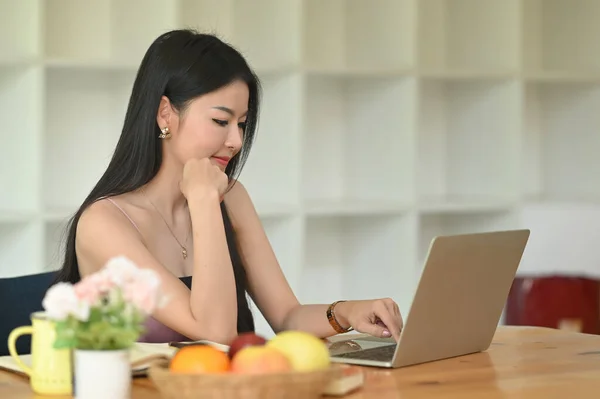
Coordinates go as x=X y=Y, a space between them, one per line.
x=124 y=213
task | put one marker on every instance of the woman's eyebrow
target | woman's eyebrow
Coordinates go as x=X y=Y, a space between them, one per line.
x=228 y=110
x=223 y=108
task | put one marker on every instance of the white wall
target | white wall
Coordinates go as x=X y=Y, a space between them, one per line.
x=385 y=123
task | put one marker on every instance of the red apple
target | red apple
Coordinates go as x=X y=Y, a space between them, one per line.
x=243 y=340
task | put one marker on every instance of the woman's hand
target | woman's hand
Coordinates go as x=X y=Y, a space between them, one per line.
x=200 y=177
x=379 y=317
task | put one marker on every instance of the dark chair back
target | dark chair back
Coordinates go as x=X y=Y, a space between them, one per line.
x=19 y=298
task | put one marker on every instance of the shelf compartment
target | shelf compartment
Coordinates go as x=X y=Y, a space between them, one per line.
x=20 y=245
x=469 y=140
x=474 y=36
x=359 y=140
x=19 y=31
x=332 y=208
x=153 y=17
x=209 y=16
x=255 y=23
x=285 y=236
x=348 y=35
x=432 y=225
x=55 y=234
x=16 y=216
x=270 y=172
x=560 y=37
x=564 y=240
x=79 y=147
x=21 y=114
x=561 y=141
x=359 y=257
x=249 y=26
x=77 y=30
x=466 y=205
x=101 y=30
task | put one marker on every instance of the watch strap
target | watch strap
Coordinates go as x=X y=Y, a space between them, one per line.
x=333 y=321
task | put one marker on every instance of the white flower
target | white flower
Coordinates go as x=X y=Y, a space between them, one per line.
x=121 y=270
x=144 y=292
x=61 y=301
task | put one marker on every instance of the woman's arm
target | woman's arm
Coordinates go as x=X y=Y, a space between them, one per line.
x=368 y=316
x=213 y=294
x=209 y=310
x=273 y=295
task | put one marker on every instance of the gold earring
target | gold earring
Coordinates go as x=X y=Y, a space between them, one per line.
x=165 y=134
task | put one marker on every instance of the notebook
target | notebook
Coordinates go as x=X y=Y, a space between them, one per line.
x=142 y=355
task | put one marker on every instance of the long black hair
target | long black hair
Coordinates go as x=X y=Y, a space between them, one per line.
x=181 y=65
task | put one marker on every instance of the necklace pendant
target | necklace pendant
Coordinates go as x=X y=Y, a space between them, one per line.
x=184 y=253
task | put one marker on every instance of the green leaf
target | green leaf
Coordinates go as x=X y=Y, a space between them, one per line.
x=112 y=324
x=64 y=343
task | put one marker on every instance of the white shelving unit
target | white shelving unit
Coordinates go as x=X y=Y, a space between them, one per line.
x=382 y=125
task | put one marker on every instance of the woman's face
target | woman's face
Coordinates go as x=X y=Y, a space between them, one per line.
x=211 y=126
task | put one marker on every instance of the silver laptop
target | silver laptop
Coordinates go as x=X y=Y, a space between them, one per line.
x=457 y=305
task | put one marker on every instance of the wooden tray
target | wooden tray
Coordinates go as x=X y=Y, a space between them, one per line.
x=288 y=385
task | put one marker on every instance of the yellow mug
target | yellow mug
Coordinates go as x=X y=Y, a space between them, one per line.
x=50 y=369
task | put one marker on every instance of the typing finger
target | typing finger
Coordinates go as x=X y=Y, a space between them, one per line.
x=384 y=314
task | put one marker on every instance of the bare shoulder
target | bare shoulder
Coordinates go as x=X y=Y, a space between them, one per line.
x=101 y=230
x=237 y=193
x=101 y=216
x=239 y=206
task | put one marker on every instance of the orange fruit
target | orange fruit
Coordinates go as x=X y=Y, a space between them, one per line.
x=199 y=359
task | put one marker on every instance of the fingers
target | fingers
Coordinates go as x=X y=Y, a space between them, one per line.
x=395 y=309
x=377 y=329
x=379 y=318
x=384 y=310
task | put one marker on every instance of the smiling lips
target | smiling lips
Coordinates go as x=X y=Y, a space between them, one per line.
x=222 y=160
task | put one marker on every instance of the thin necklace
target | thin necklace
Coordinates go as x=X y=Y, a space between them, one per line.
x=183 y=248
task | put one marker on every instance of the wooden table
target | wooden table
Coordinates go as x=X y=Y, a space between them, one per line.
x=522 y=362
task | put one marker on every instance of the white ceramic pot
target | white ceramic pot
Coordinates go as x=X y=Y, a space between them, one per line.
x=102 y=374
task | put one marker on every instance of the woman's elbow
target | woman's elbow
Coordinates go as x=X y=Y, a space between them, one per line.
x=222 y=336
x=214 y=328
x=289 y=321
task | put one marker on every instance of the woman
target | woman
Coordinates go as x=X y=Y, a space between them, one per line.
x=169 y=201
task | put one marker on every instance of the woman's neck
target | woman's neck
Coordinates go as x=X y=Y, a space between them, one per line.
x=163 y=190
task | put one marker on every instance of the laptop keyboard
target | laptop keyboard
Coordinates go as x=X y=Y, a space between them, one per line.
x=380 y=353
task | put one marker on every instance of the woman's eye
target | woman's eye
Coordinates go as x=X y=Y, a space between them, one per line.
x=242 y=125
x=220 y=122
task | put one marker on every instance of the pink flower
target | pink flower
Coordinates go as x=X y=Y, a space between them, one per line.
x=102 y=281
x=61 y=301
x=92 y=287
x=87 y=292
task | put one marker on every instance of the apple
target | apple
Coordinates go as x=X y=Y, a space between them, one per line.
x=305 y=351
x=244 y=340
x=259 y=359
